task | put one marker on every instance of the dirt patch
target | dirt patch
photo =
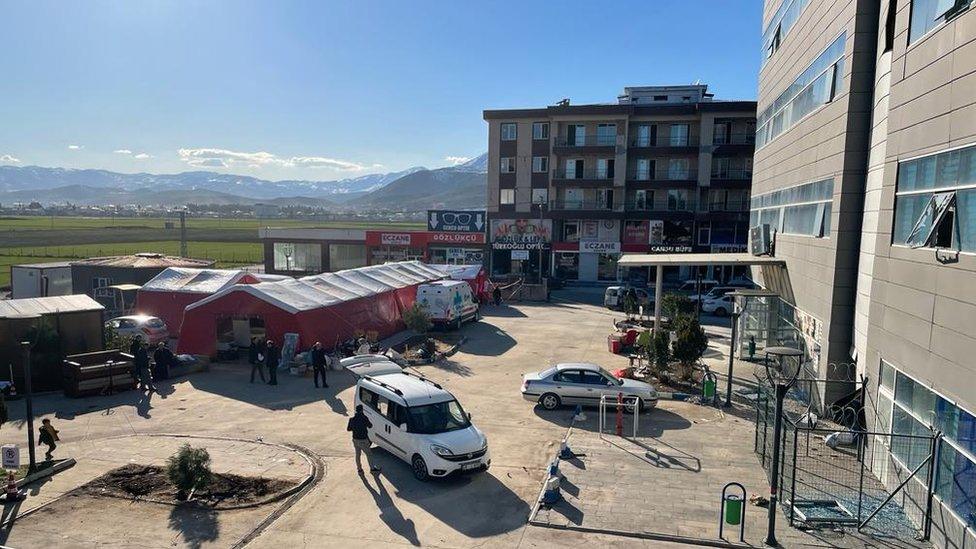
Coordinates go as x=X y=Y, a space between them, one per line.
x=411 y=349
x=149 y=482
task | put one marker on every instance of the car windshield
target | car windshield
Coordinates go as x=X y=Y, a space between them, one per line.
x=437 y=418
x=155 y=323
x=608 y=375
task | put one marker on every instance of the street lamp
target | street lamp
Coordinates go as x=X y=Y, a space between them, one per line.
x=782 y=380
x=735 y=324
x=541 y=202
x=29 y=319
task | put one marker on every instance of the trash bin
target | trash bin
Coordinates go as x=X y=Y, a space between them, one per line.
x=733 y=510
x=613 y=343
x=708 y=387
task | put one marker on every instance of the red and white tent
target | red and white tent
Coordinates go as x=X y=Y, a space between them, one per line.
x=169 y=293
x=328 y=307
x=475 y=275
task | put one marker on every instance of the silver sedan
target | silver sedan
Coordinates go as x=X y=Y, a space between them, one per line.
x=583 y=383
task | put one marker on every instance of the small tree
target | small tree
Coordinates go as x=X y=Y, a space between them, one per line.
x=189 y=469
x=417 y=318
x=661 y=350
x=675 y=305
x=115 y=340
x=689 y=345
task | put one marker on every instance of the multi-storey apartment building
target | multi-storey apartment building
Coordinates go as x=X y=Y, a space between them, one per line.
x=865 y=166
x=571 y=187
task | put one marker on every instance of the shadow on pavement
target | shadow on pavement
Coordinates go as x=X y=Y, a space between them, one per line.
x=389 y=513
x=486 y=339
x=503 y=311
x=650 y=424
x=231 y=380
x=196 y=524
x=477 y=505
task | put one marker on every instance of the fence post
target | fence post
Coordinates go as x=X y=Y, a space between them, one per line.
x=860 y=485
x=793 y=479
x=933 y=478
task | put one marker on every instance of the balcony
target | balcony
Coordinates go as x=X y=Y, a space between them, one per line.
x=599 y=143
x=663 y=141
x=678 y=207
x=738 y=174
x=580 y=204
x=735 y=138
x=734 y=206
x=593 y=177
x=667 y=173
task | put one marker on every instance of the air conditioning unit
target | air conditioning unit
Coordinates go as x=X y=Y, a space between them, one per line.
x=761 y=240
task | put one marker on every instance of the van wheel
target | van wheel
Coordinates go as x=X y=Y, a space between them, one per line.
x=419 y=468
x=549 y=401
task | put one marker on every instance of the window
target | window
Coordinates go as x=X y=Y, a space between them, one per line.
x=346 y=256
x=889 y=42
x=436 y=418
x=100 y=282
x=576 y=135
x=574 y=168
x=604 y=168
x=646 y=135
x=540 y=164
x=935 y=201
x=594 y=378
x=540 y=130
x=507 y=164
x=801 y=210
x=571 y=231
x=720 y=133
x=780 y=25
x=567 y=376
x=679 y=135
x=509 y=131
x=368 y=397
x=644 y=170
x=928 y=14
x=640 y=199
x=816 y=86
x=297 y=256
x=396 y=413
x=704 y=234
x=604 y=199
x=677 y=200
x=606 y=134
x=506 y=196
x=540 y=196
x=660 y=98
x=678 y=168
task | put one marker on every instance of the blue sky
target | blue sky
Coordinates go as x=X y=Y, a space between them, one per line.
x=332 y=89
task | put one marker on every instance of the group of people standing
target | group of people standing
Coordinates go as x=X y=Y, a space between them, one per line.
x=265 y=354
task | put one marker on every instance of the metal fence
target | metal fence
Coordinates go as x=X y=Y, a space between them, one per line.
x=861 y=479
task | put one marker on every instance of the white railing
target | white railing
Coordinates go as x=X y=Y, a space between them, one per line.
x=635 y=406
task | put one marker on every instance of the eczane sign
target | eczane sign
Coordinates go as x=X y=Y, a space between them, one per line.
x=600 y=247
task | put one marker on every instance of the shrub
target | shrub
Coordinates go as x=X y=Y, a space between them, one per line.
x=689 y=345
x=417 y=318
x=675 y=305
x=114 y=340
x=661 y=350
x=189 y=469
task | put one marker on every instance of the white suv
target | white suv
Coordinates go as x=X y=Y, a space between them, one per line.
x=418 y=421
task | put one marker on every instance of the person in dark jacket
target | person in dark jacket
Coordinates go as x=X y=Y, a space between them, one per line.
x=141 y=362
x=165 y=359
x=272 y=355
x=359 y=424
x=496 y=295
x=319 y=362
x=255 y=355
x=48 y=435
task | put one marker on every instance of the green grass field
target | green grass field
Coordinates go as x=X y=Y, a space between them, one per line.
x=64 y=223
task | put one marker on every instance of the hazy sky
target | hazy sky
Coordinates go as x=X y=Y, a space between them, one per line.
x=323 y=90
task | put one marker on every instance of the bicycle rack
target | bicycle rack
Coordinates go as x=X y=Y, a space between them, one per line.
x=732 y=510
x=603 y=410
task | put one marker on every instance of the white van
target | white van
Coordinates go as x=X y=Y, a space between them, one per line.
x=448 y=301
x=419 y=422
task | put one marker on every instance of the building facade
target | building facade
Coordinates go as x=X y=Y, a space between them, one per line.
x=865 y=168
x=571 y=187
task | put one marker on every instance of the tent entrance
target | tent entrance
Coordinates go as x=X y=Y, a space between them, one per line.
x=237 y=332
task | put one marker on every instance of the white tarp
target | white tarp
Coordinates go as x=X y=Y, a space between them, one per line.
x=459 y=272
x=326 y=289
x=201 y=281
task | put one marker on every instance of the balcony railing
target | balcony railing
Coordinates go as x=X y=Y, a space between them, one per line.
x=586 y=141
x=683 y=206
x=732 y=173
x=664 y=141
x=597 y=174
x=581 y=204
x=735 y=138
x=665 y=173
x=729 y=206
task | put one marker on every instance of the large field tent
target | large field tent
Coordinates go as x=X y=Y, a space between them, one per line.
x=169 y=293
x=328 y=307
x=475 y=275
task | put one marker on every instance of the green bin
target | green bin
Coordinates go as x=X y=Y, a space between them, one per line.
x=708 y=387
x=733 y=510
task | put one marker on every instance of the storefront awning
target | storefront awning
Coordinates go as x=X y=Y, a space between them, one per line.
x=668 y=260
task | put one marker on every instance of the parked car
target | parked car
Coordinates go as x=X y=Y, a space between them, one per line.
x=613 y=297
x=689 y=287
x=717 y=305
x=449 y=302
x=584 y=383
x=152 y=329
x=421 y=423
x=717 y=291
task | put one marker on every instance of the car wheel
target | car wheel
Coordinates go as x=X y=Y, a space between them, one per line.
x=721 y=312
x=420 y=468
x=549 y=401
x=630 y=407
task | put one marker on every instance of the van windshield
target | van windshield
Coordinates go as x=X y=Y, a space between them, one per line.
x=437 y=418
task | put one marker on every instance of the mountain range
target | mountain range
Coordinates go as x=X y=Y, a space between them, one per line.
x=461 y=186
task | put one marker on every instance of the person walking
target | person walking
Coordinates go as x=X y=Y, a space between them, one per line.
x=255 y=355
x=496 y=296
x=48 y=435
x=271 y=357
x=319 y=362
x=359 y=424
x=141 y=362
x=164 y=359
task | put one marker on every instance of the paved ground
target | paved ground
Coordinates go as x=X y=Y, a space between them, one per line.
x=346 y=510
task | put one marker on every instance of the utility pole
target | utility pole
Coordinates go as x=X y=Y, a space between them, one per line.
x=541 y=241
x=25 y=346
x=183 y=252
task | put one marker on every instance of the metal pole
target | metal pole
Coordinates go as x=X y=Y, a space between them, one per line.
x=183 y=252
x=698 y=288
x=728 y=388
x=540 y=243
x=793 y=480
x=933 y=479
x=29 y=400
x=774 y=473
x=659 y=274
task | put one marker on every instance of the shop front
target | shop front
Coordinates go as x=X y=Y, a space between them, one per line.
x=386 y=247
x=659 y=236
x=456 y=248
x=441 y=248
x=520 y=247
